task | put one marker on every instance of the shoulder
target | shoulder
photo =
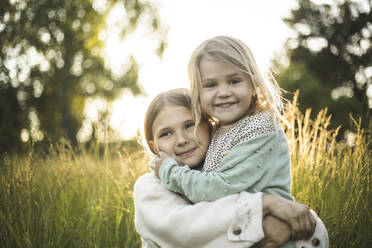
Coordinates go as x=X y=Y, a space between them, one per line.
x=148 y=190
x=258 y=124
x=147 y=177
x=262 y=120
x=145 y=182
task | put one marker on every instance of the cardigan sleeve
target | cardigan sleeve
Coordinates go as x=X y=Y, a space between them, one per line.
x=260 y=164
x=165 y=219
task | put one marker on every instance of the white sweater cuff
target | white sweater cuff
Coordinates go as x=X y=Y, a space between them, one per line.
x=247 y=222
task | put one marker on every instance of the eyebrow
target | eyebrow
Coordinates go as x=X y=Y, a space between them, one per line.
x=228 y=76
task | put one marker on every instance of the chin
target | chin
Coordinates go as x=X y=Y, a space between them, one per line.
x=192 y=162
x=196 y=167
x=189 y=163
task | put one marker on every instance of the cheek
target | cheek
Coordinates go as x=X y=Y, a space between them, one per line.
x=167 y=148
x=204 y=96
x=162 y=145
x=203 y=137
x=205 y=102
x=250 y=91
x=155 y=146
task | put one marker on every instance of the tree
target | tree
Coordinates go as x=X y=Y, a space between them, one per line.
x=51 y=61
x=331 y=57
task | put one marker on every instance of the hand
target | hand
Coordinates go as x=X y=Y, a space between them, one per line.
x=157 y=162
x=277 y=233
x=297 y=215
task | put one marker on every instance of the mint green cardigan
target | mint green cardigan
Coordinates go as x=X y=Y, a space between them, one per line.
x=260 y=164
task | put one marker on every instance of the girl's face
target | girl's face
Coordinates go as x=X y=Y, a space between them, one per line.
x=173 y=131
x=226 y=93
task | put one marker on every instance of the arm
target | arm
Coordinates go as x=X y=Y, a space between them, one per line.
x=258 y=164
x=169 y=220
x=297 y=215
x=159 y=212
x=277 y=233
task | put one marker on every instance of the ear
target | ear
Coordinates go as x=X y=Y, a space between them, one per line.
x=153 y=147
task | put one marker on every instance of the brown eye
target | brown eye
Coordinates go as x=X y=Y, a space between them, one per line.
x=235 y=81
x=209 y=85
x=189 y=125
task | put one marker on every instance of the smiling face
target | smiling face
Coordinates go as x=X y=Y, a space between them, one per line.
x=173 y=133
x=226 y=93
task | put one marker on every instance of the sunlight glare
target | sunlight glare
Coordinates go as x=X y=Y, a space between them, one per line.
x=126 y=117
x=258 y=24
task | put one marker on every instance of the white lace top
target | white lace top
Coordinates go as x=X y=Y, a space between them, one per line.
x=224 y=139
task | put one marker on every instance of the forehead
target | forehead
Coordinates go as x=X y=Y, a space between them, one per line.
x=210 y=68
x=171 y=117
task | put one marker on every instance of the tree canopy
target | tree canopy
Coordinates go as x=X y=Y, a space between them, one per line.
x=51 y=60
x=331 y=58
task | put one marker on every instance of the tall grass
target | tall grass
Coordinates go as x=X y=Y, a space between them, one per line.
x=334 y=178
x=83 y=198
x=66 y=199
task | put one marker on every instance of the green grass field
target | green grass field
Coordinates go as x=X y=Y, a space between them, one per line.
x=83 y=198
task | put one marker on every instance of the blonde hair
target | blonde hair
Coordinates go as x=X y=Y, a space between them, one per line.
x=235 y=52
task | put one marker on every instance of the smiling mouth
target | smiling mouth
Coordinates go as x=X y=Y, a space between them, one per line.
x=225 y=104
x=186 y=153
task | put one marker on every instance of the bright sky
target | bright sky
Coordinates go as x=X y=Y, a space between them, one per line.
x=256 y=22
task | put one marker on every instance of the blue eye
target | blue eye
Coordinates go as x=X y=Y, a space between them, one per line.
x=209 y=85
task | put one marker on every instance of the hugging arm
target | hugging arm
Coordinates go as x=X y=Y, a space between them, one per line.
x=248 y=167
x=255 y=165
x=276 y=232
x=168 y=220
x=165 y=219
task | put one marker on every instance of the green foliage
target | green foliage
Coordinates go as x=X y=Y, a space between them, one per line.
x=51 y=61
x=315 y=94
x=332 y=46
x=83 y=198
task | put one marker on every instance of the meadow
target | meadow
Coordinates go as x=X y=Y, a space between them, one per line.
x=79 y=197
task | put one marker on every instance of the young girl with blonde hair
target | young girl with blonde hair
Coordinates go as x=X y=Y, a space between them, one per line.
x=248 y=150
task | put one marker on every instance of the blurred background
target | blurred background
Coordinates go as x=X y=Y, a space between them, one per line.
x=86 y=70
x=76 y=77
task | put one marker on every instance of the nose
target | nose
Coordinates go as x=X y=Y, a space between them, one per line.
x=181 y=139
x=223 y=91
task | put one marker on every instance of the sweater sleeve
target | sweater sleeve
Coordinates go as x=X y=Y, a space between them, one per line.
x=260 y=164
x=165 y=219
